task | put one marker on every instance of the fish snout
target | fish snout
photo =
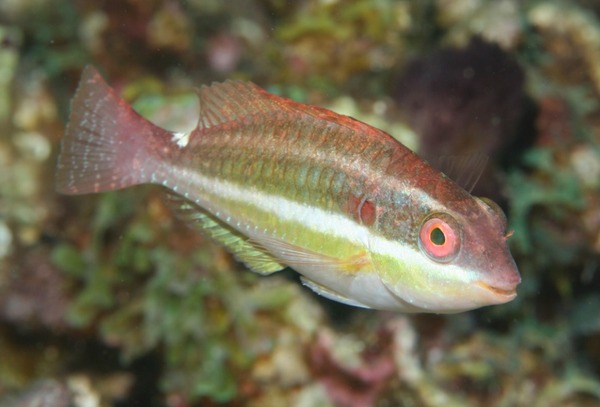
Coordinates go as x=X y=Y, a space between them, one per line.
x=503 y=285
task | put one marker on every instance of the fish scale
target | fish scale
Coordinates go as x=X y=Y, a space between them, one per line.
x=280 y=164
x=363 y=219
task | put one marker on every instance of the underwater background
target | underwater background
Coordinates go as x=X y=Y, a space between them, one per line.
x=109 y=300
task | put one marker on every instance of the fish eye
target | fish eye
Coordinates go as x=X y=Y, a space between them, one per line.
x=439 y=237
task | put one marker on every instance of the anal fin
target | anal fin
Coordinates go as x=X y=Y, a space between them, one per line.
x=253 y=256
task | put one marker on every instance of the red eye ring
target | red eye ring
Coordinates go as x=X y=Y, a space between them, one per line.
x=439 y=238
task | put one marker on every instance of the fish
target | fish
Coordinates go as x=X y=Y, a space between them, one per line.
x=363 y=219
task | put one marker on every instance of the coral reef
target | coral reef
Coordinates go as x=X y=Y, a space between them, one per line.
x=109 y=300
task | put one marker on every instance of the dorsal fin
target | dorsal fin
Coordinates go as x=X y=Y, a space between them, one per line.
x=233 y=101
x=254 y=257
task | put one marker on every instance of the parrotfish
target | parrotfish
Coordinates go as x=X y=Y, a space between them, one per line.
x=362 y=218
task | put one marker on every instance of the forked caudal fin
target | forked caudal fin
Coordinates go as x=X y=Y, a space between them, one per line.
x=107 y=145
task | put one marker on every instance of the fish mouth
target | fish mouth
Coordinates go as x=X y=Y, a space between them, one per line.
x=508 y=294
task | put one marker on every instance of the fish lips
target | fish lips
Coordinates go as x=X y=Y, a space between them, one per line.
x=505 y=289
x=501 y=294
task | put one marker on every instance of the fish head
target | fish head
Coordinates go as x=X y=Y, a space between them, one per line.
x=487 y=254
x=458 y=260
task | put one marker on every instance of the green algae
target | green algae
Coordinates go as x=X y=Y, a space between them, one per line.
x=142 y=294
x=558 y=190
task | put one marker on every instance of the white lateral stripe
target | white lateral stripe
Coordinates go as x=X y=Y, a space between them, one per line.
x=311 y=217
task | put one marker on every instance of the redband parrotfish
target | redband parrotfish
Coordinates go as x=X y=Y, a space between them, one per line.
x=364 y=220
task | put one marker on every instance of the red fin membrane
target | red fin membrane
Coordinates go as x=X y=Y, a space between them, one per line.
x=107 y=145
x=233 y=101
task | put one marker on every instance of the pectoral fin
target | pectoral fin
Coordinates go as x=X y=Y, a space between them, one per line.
x=300 y=257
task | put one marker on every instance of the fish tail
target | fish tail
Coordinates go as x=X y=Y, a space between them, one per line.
x=107 y=145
